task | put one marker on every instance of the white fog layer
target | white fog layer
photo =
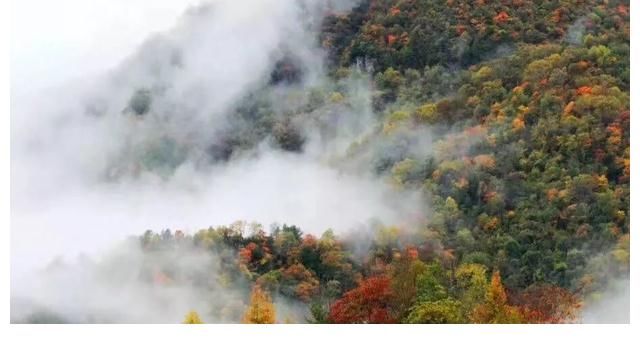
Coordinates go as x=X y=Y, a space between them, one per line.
x=78 y=187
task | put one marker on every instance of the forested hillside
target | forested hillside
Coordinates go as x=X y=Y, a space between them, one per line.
x=509 y=118
x=528 y=183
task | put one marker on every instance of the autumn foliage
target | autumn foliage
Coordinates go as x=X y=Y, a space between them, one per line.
x=495 y=309
x=547 y=304
x=192 y=318
x=369 y=303
x=501 y=17
x=528 y=110
x=261 y=310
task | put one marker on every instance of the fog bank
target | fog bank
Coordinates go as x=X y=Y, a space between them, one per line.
x=98 y=158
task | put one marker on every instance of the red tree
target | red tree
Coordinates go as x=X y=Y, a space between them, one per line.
x=547 y=304
x=369 y=303
x=246 y=254
x=501 y=17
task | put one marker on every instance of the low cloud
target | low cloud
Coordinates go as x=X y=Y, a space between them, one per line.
x=82 y=181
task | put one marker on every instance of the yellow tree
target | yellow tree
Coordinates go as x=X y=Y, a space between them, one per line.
x=192 y=318
x=261 y=310
x=495 y=309
x=471 y=280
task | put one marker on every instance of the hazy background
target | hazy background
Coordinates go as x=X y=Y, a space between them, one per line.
x=77 y=185
x=52 y=44
x=54 y=41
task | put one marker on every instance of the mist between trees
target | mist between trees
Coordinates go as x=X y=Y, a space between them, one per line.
x=394 y=161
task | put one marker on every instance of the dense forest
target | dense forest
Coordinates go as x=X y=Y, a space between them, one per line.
x=510 y=119
x=528 y=105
